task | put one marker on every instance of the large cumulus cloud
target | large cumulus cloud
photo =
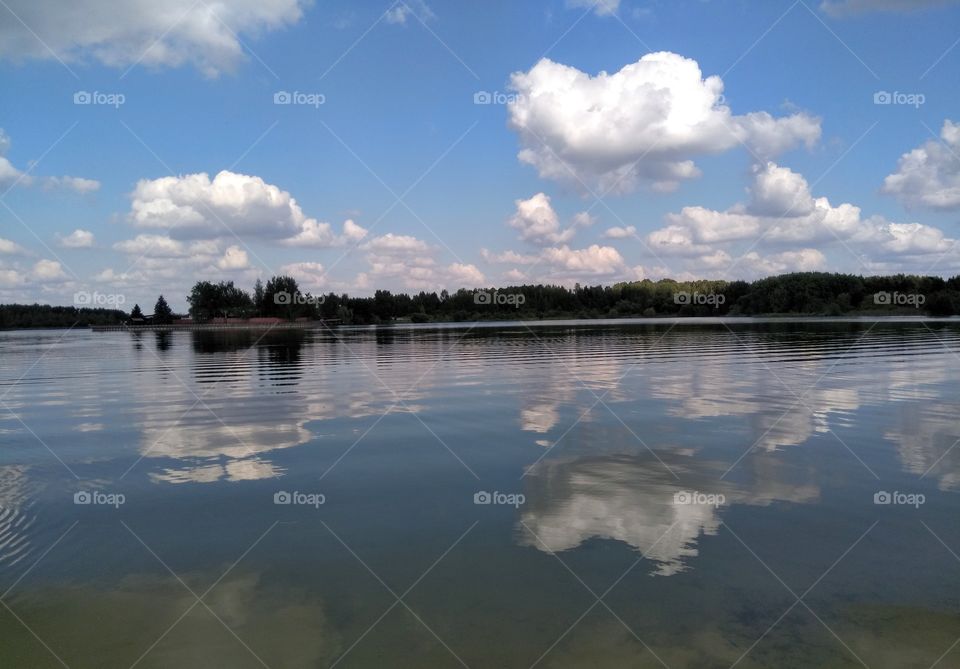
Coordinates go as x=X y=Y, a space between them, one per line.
x=646 y=123
x=194 y=206
x=929 y=176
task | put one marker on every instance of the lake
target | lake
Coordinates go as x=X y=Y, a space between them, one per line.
x=653 y=493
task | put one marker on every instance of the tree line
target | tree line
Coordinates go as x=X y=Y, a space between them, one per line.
x=807 y=293
x=19 y=316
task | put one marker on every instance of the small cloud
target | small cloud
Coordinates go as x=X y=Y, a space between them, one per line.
x=11 y=248
x=234 y=258
x=538 y=223
x=48 y=270
x=843 y=8
x=76 y=184
x=584 y=219
x=400 y=11
x=620 y=233
x=599 y=7
x=10 y=175
x=78 y=239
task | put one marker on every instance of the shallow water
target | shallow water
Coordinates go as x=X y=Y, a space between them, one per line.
x=680 y=494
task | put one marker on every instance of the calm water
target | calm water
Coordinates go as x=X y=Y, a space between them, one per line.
x=679 y=495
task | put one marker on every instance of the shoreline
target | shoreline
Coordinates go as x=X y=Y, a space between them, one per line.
x=407 y=324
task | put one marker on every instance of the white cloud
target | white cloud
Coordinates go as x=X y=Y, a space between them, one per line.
x=76 y=184
x=594 y=260
x=10 y=175
x=153 y=33
x=584 y=219
x=399 y=12
x=197 y=207
x=409 y=262
x=779 y=191
x=929 y=176
x=48 y=270
x=782 y=213
x=800 y=260
x=310 y=275
x=234 y=258
x=566 y=265
x=315 y=234
x=463 y=275
x=644 y=124
x=599 y=7
x=617 y=232
x=160 y=246
x=509 y=257
x=78 y=239
x=841 y=8
x=675 y=240
x=396 y=244
x=538 y=223
x=11 y=278
x=11 y=248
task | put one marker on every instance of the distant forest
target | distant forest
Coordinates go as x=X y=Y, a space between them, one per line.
x=789 y=294
x=14 y=316
x=812 y=294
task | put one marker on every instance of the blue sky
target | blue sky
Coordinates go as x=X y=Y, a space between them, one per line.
x=726 y=139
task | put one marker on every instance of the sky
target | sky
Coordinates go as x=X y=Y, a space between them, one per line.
x=430 y=144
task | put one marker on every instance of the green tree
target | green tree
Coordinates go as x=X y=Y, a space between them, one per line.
x=162 y=313
x=136 y=313
x=281 y=297
x=258 y=297
x=218 y=300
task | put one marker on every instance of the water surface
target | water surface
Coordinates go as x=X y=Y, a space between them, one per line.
x=671 y=493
